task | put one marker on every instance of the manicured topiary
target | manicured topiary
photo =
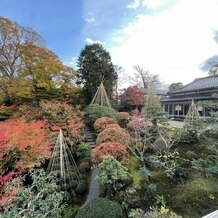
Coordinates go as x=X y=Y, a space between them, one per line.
x=84 y=166
x=122 y=119
x=102 y=122
x=117 y=150
x=112 y=126
x=119 y=135
x=95 y=111
x=101 y=208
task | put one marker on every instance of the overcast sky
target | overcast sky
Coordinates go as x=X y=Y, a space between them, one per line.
x=172 y=38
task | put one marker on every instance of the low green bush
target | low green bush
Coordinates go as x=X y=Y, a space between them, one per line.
x=81 y=187
x=180 y=174
x=95 y=111
x=101 y=208
x=71 y=212
x=191 y=155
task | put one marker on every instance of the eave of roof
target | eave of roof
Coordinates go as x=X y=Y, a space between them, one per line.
x=199 y=84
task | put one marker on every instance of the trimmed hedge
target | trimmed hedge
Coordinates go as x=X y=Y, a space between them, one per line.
x=101 y=208
x=119 y=135
x=101 y=123
x=95 y=111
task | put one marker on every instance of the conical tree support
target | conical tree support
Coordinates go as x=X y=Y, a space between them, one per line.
x=101 y=97
x=63 y=164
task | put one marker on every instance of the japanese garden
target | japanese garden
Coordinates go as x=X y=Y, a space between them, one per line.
x=76 y=143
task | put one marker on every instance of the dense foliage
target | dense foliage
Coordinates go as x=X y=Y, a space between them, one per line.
x=117 y=150
x=22 y=145
x=95 y=111
x=131 y=98
x=42 y=198
x=101 y=123
x=64 y=116
x=123 y=118
x=94 y=67
x=28 y=70
x=111 y=134
x=101 y=208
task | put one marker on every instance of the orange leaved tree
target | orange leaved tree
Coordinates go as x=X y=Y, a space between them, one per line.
x=22 y=145
x=117 y=150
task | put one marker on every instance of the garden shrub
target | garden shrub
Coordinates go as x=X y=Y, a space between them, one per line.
x=119 y=135
x=112 y=126
x=64 y=116
x=101 y=123
x=83 y=151
x=117 y=150
x=196 y=197
x=84 y=166
x=42 y=198
x=5 y=112
x=185 y=135
x=101 y=208
x=95 y=111
x=71 y=212
x=180 y=174
x=23 y=145
x=133 y=167
x=28 y=112
x=191 y=155
x=81 y=187
x=122 y=118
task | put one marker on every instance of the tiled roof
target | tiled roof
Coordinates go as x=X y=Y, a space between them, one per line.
x=199 y=84
x=156 y=91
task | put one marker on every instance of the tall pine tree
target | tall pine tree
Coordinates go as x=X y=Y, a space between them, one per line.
x=95 y=66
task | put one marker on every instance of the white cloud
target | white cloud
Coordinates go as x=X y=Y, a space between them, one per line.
x=89 y=18
x=172 y=43
x=118 y=39
x=153 y=3
x=135 y=4
x=90 y=41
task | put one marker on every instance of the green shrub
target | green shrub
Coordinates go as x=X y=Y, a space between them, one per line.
x=196 y=197
x=95 y=111
x=81 y=187
x=185 y=135
x=71 y=212
x=83 y=151
x=180 y=174
x=191 y=155
x=5 y=112
x=42 y=198
x=101 y=208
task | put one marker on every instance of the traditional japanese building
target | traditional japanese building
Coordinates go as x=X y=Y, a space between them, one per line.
x=177 y=102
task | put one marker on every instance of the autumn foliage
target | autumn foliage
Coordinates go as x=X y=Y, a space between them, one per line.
x=23 y=145
x=117 y=134
x=101 y=123
x=117 y=150
x=133 y=96
x=64 y=116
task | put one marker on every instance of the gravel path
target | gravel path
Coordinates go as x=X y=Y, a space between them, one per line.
x=174 y=123
x=94 y=187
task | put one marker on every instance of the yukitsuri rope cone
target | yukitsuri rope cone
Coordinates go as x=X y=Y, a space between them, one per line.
x=101 y=97
x=63 y=165
x=192 y=112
